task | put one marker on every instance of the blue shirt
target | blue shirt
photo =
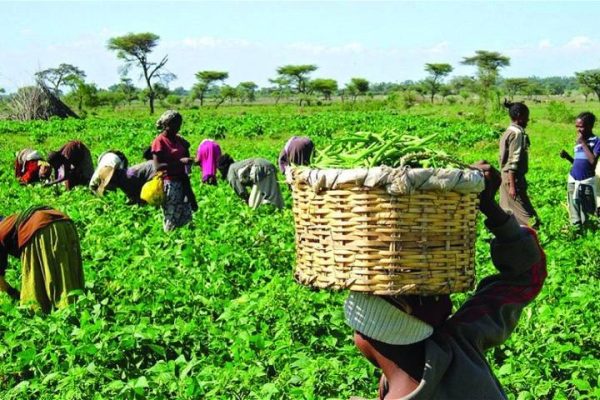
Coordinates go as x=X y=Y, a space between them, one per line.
x=582 y=168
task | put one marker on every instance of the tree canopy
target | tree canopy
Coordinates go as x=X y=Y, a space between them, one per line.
x=134 y=49
x=590 y=79
x=63 y=75
x=206 y=80
x=437 y=73
x=297 y=75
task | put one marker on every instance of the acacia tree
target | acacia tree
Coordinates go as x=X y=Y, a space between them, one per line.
x=134 y=49
x=226 y=92
x=247 y=91
x=437 y=74
x=63 y=75
x=357 y=86
x=488 y=63
x=206 y=79
x=590 y=79
x=283 y=87
x=324 y=86
x=297 y=76
x=515 y=85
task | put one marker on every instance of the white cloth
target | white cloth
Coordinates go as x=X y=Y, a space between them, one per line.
x=592 y=181
x=397 y=181
x=106 y=159
x=376 y=318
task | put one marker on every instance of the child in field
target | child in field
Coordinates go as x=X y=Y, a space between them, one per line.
x=30 y=167
x=46 y=241
x=514 y=164
x=298 y=151
x=207 y=156
x=256 y=172
x=582 y=184
x=426 y=353
x=72 y=165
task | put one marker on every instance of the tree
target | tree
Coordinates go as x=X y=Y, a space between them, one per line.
x=514 y=86
x=206 y=80
x=488 y=63
x=226 y=92
x=324 y=86
x=63 y=75
x=590 y=79
x=357 y=86
x=134 y=49
x=247 y=91
x=297 y=76
x=84 y=93
x=283 y=87
x=437 y=74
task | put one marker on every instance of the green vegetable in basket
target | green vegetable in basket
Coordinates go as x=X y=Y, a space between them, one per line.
x=391 y=148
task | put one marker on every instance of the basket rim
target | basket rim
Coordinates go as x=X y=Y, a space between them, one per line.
x=396 y=180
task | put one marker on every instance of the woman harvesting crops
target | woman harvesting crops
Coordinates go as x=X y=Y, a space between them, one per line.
x=72 y=165
x=423 y=353
x=207 y=156
x=256 y=172
x=48 y=245
x=108 y=163
x=297 y=151
x=30 y=167
x=171 y=155
x=514 y=164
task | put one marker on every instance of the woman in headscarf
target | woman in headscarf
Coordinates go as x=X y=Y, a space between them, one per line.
x=108 y=162
x=47 y=243
x=171 y=155
x=207 y=157
x=256 y=172
x=298 y=151
x=72 y=164
x=30 y=167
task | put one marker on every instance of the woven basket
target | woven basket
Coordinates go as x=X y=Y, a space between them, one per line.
x=366 y=239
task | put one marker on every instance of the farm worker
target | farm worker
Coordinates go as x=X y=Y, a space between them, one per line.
x=207 y=156
x=514 y=163
x=582 y=184
x=256 y=172
x=131 y=180
x=108 y=162
x=423 y=351
x=47 y=243
x=297 y=151
x=171 y=155
x=30 y=167
x=72 y=165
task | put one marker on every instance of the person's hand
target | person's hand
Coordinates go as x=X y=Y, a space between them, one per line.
x=186 y=160
x=487 y=199
x=564 y=154
x=580 y=138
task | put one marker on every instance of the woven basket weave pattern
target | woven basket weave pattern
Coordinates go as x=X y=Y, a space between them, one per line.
x=368 y=240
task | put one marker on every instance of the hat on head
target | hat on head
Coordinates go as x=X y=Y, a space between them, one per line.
x=380 y=320
x=104 y=176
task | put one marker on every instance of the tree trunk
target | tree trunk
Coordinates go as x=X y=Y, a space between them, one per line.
x=151 y=101
x=432 y=95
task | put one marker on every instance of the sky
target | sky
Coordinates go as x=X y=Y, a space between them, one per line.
x=379 y=41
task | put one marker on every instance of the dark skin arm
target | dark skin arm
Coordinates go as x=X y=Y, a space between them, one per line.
x=385 y=356
x=586 y=149
x=564 y=155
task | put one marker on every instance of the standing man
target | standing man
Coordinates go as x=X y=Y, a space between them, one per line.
x=514 y=164
x=582 y=185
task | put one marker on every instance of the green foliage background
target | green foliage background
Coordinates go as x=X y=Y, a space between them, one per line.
x=212 y=311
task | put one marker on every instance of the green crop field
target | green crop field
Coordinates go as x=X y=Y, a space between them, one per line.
x=211 y=310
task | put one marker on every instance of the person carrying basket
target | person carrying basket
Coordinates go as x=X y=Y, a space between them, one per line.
x=425 y=352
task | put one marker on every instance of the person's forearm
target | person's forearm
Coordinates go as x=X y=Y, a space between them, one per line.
x=495 y=215
x=588 y=153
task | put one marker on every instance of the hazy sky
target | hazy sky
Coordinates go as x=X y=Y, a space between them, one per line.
x=380 y=41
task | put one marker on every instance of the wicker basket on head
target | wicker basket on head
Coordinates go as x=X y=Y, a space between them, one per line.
x=386 y=231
